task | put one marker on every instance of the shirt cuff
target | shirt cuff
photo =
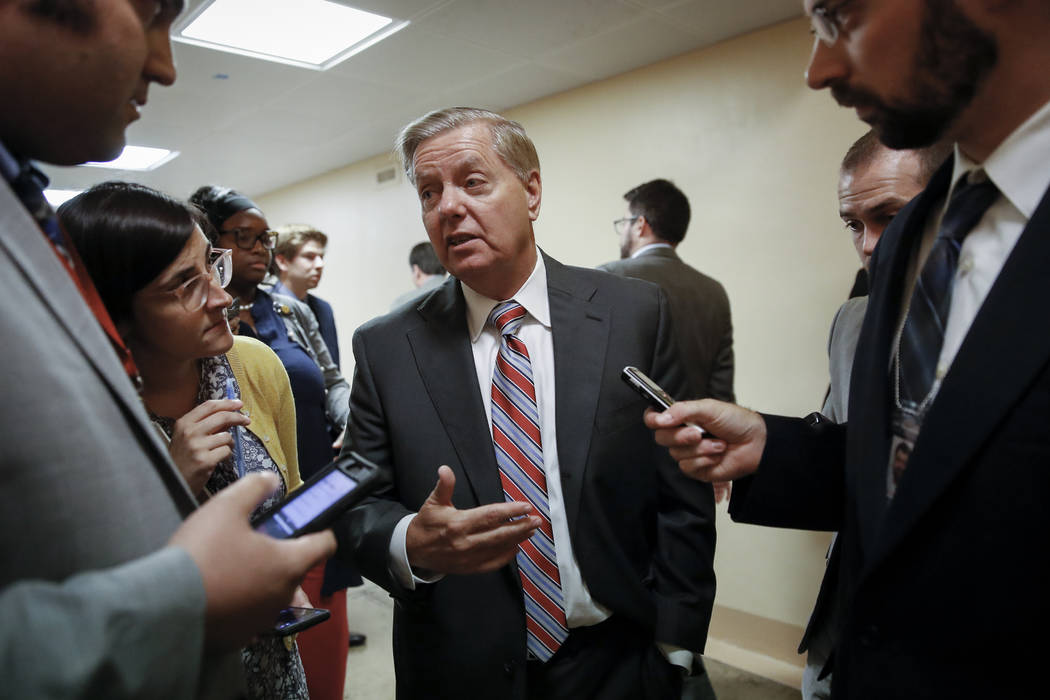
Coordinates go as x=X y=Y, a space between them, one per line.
x=678 y=656
x=400 y=569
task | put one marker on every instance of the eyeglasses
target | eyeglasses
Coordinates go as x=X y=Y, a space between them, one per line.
x=620 y=225
x=827 y=22
x=246 y=239
x=195 y=292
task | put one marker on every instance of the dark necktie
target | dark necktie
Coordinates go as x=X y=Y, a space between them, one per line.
x=923 y=333
x=519 y=454
x=29 y=188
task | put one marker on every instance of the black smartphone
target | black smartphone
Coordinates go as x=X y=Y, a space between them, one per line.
x=292 y=620
x=650 y=390
x=315 y=505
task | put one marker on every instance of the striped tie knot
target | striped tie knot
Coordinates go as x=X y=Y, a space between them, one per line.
x=507 y=317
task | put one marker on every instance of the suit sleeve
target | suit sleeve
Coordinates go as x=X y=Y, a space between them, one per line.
x=364 y=534
x=133 y=631
x=800 y=480
x=683 y=581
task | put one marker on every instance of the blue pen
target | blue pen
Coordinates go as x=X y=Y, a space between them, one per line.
x=238 y=455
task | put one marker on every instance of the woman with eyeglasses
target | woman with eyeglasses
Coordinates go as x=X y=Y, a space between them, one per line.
x=163 y=283
x=322 y=398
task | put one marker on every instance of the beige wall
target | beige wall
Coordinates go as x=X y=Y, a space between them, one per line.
x=757 y=154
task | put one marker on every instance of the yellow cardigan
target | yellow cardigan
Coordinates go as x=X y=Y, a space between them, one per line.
x=267 y=398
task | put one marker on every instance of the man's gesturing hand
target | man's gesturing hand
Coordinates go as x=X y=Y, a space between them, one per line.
x=445 y=540
x=736 y=451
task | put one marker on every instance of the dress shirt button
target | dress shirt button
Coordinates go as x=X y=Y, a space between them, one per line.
x=965 y=265
x=941 y=371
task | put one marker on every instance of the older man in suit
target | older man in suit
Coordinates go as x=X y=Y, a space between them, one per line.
x=104 y=591
x=656 y=222
x=561 y=553
x=938 y=567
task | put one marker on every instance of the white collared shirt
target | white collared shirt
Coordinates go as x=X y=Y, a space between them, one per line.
x=535 y=331
x=644 y=248
x=1018 y=167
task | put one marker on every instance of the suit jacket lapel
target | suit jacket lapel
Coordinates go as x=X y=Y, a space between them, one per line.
x=965 y=412
x=27 y=248
x=445 y=362
x=871 y=396
x=580 y=332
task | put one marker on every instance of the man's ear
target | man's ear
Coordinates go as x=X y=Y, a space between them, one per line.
x=281 y=262
x=645 y=231
x=533 y=194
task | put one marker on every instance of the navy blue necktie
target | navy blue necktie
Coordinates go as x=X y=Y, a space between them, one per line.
x=29 y=188
x=923 y=334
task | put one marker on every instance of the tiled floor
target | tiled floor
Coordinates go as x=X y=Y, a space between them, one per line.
x=370 y=673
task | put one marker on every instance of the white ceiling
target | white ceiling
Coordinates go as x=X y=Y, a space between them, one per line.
x=267 y=125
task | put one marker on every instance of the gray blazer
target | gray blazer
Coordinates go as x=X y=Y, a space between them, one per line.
x=92 y=603
x=842 y=345
x=703 y=328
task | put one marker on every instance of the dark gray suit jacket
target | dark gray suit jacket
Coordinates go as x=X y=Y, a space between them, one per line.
x=642 y=532
x=943 y=589
x=703 y=327
x=842 y=345
x=92 y=604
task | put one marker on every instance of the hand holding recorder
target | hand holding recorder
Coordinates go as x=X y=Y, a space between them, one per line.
x=688 y=429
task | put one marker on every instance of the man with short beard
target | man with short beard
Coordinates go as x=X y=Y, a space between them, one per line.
x=941 y=591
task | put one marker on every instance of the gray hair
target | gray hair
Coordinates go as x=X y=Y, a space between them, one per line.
x=511 y=143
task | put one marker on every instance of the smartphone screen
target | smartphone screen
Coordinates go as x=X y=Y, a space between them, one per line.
x=292 y=620
x=307 y=504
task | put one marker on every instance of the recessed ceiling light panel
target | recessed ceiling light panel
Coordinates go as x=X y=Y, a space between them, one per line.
x=57 y=197
x=314 y=34
x=137 y=158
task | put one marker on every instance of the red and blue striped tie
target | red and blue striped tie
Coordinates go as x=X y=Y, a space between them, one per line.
x=519 y=453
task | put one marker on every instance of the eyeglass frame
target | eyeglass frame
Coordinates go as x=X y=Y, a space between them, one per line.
x=825 y=23
x=269 y=244
x=220 y=272
x=617 y=223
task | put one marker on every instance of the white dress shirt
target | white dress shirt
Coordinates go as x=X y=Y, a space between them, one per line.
x=535 y=331
x=644 y=248
x=1018 y=168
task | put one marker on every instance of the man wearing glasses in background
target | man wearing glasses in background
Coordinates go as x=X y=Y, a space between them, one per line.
x=656 y=222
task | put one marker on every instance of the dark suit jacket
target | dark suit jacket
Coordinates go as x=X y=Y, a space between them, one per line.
x=643 y=533
x=700 y=312
x=943 y=590
x=326 y=321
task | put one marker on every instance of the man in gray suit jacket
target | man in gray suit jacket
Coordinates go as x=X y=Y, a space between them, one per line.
x=656 y=222
x=612 y=584
x=104 y=591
